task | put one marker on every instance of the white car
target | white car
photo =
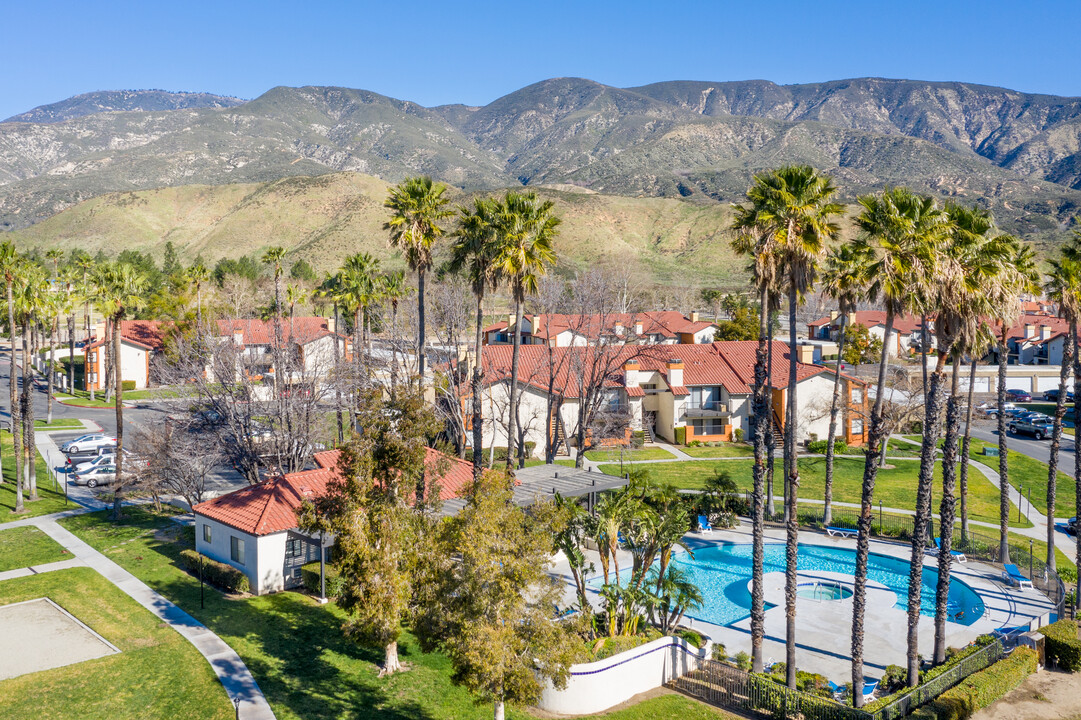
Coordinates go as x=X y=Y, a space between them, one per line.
x=991 y=409
x=101 y=475
x=92 y=441
x=100 y=460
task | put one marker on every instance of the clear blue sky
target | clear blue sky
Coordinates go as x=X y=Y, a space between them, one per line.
x=435 y=53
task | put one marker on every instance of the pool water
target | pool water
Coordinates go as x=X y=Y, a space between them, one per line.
x=722 y=572
x=823 y=591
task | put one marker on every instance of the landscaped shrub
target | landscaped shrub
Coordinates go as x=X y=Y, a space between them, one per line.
x=898 y=676
x=983 y=688
x=691 y=637
x=719 y=652
x=894 y=679
x=681 y=435
x=1068 y=573
x=224 y=576
x=743 y=661
x=840 y=447
x=127 y=384
x=638 y=438
x=501 y=452
x=309 y=575
x=737 y=434
x=1063 y=647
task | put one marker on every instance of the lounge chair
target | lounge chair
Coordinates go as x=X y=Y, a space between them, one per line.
x=837 y=690
x=957 y=554
x=869 y=687
x=1012 y=576
x=703 y=524
x=841 y=532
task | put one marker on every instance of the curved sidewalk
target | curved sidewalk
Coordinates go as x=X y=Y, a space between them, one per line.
x=230 y=669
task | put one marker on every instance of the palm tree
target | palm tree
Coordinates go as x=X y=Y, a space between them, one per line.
x=525 y=230
x=53 y=305
x=1021 y=276
x=474 y=253
x=120 y=294
x=330 y=289
x=198 y=275
x=796 y=204
x=85 y=265
x=844 y=279
x=30 y=299
x=10 y=263
x=899 y=230
x=1063 y=287
x=358 y=289
x=69 y=278
x=986 y=339
x=756 y=240
x=970 y=262
x=417 y=206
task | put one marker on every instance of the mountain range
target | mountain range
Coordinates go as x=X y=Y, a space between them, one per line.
x=699 y=142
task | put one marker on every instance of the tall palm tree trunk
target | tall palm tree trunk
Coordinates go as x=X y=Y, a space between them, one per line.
x=867 y=495
x=761 y=428
x=110 y=359
x=86 y=350
x=512 y=409
x=118 y=495
x=478 y=409
x=52 y=368
x=13 y=400
x=946 y=509
x=28 y=450
x=420 y=325
x=71 y=353
x=771 y=440
x=1076 y=458
x=338 y=384
x=1056 y=440
x=965 y=454
x=835 y=406
x=932 y=423
x=1003 y=460
x=792 y=535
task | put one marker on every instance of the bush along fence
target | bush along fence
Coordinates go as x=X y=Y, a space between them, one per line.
x=1062 y=645
x=727 y=686
x=224 y=576
x=982 y=689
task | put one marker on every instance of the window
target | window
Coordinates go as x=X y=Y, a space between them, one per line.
x=857 y=426
x=709 y=426
x=206 y=534
x=294 y=548
x=706 y=398
x=236 y=549
x=857 y=395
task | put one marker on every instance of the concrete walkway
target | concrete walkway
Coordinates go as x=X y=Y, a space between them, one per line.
x=38 y=569
x=230 y=669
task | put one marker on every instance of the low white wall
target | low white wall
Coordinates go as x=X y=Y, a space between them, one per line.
x=594 y=687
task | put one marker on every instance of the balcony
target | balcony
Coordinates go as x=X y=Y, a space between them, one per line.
x=706 y=409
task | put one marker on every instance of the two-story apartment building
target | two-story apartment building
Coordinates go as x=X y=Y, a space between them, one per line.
x=678 y=393
x=666 y=327
x=1034 y=340
x=141 y=341
x=907 y=329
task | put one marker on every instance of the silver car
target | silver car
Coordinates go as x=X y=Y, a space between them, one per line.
x=101 y=475
x=91 y=441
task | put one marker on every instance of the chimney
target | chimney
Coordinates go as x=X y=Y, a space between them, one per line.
x=510 y=322
x=99 y=329
x=805 y=354
x=630 y=374
x=1045 y=332
x=637 y=327
x=694 y=316
x=834 y=315
x=332 y=325
x=675 y=372
x=238 y=337
x=1030 y=329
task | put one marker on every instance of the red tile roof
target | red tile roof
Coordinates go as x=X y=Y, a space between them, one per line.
x=728 y=363
x=301 y=330
x=147 y=334
x=270 y=506
x=903 y=324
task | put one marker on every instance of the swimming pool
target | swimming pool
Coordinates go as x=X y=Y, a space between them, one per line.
x=722 y=572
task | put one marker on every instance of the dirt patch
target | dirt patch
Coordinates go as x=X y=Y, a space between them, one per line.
x=1048 y=695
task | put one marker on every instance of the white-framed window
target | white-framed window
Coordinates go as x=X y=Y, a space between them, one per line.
x=708 y=426
x=207 y=534
x=236 y=549
x=294 y=548
x=857 y=395
x=857 y=426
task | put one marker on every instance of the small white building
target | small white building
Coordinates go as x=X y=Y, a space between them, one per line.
x=254 y=529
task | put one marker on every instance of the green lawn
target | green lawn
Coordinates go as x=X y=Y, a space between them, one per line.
x=51 y=498
x=295 y=648
x=895 y=487
x=157 y=674
x=25 y=546
x=58 y=423
x=629 y=454
x=727 y=450
x=1031 y=474
x=82 y=398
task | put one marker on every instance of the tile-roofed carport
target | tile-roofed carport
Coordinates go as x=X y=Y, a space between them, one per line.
x=541 y=482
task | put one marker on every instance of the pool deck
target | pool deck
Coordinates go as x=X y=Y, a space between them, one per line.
x=824 y=628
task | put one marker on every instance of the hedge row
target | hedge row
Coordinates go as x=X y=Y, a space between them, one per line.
x=224 y=576
x=840 y=447
x=981 y=689
x=1062 y=646
x=309 y=575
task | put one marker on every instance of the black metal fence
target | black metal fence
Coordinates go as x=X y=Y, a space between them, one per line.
x=726 y=686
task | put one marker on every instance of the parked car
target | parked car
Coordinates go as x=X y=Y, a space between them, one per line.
x=1052 y=395
x=1037 y=427
x=86 y=455
x=92 y=441
x=102 y=459
x=991 y=410
x=1015 y=395
x=101 y=475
